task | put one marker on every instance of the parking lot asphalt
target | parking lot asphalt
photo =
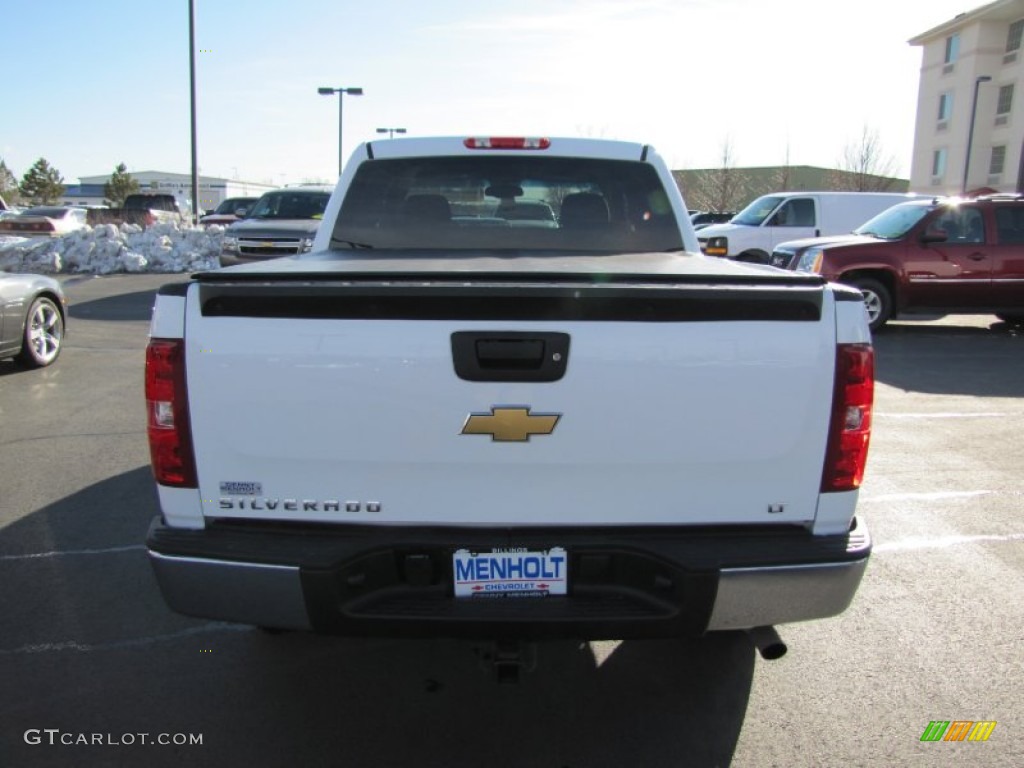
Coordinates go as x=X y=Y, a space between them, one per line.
x=90 y=655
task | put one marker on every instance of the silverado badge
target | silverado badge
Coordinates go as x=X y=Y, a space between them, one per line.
x=512 y=423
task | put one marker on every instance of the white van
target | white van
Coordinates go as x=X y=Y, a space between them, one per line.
x=754 y=232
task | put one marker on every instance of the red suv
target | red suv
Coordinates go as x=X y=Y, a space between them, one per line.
x=949 y=255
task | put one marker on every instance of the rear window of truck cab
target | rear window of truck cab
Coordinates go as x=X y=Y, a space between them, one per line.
x=507 y=203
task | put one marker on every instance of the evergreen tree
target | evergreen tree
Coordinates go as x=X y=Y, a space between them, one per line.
x=121 y=185
x=42 y=184
x=8 y=184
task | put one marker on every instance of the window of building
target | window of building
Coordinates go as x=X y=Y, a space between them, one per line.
x=939 y=163
x=1005 y=103
x=952 y=48
x=995 y=165
x=945 y=106
x=1013 y=36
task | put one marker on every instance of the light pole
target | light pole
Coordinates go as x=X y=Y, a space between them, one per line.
x=970 y=131
x=192 y=101
x=1020 y=170
x=391 y=131
x=341 y=95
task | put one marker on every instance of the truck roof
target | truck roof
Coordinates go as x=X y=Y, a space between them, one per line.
x=434 y=146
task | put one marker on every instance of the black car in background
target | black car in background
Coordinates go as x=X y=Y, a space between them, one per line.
x=702 y=219
x=230 y=210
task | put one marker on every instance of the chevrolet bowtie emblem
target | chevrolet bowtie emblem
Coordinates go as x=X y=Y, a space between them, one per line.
x=510 y=424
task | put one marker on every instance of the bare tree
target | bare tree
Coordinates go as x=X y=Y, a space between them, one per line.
x=719 y=189
x=864 y=166
x=783 y=174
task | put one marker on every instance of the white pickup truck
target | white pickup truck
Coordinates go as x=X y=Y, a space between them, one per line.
x=505 y=396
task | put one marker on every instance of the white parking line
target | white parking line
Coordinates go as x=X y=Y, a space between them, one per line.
x=930 y=496
x=943 y=542
x=957 y=415
x=73 y=645
x=67 y=552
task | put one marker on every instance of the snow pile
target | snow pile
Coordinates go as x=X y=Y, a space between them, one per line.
x=107 y=248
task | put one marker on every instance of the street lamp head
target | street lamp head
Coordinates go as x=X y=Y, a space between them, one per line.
x=983 y=78
x=332 y=91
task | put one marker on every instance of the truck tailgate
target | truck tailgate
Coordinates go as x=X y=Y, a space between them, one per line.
x=685 y=404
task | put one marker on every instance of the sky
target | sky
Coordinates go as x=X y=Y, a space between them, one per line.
x=97 y=83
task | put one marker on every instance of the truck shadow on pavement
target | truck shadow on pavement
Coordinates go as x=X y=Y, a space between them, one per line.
x=429 y=703
x=951 y=359
x=87 y=645
x=111 y=513
x=125 y=306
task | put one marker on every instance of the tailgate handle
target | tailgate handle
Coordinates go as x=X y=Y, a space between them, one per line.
x=525 y=354
x=509 y=356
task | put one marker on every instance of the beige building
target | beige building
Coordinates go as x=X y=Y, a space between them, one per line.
x=978 y=56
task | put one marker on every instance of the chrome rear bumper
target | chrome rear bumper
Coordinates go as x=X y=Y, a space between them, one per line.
x=619 y=586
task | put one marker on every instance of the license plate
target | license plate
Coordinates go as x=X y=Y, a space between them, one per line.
x=510 y=573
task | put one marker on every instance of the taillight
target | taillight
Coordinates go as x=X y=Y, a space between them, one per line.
x=506 y=142
x=170 y=439
x=850 y=429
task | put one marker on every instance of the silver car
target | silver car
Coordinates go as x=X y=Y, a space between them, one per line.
x=33 y=318
x=45 y=221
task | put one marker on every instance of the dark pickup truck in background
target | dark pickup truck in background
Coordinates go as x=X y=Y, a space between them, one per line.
x=947 y=255
x=142 y=209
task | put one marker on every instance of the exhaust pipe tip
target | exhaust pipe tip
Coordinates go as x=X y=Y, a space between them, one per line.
x=768 y=643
